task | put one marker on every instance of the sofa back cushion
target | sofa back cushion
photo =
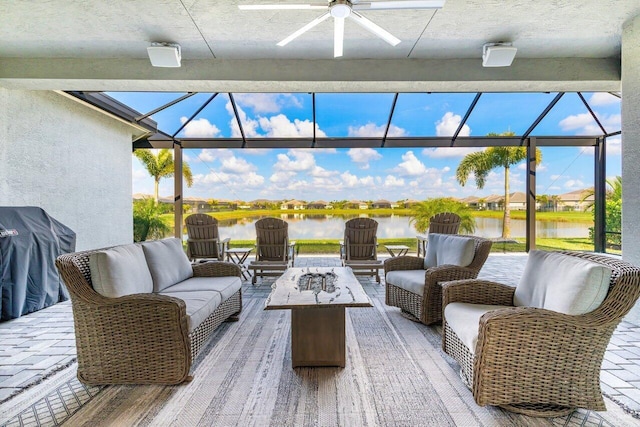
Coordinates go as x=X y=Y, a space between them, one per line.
x=562 y=283
x=120 y=271
x=450 y=249
x=167 y=262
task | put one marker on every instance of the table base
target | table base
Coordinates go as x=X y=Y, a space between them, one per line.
x=318 y=337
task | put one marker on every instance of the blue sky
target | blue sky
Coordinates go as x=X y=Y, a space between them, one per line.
x=371 y=174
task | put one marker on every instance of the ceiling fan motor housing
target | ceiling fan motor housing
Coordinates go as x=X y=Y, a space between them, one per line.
x=340 y=8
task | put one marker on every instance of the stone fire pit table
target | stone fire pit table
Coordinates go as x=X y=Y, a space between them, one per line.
x=317 y=298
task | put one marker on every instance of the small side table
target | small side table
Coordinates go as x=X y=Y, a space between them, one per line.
x=397 y=250
x=238 y=256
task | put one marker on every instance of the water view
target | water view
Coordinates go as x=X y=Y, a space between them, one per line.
x=332 y=227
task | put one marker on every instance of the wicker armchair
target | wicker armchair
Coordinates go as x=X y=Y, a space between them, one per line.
x=536 y=361
x=425 y=304
x=141 y=338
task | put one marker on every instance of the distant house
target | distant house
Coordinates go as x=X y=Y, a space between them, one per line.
x=353 y=204
x=494 y=202
x=409 y=203
x=296 y=205
x=572 y=201
x=472 y=202
x=260 y=204
x=363 y=205
x=517 y=201
x=319 y=204
x=381 y=204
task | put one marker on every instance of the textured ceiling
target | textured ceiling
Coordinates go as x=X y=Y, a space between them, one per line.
x=209 y=29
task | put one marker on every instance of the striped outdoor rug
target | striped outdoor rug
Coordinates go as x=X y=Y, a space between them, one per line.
x=396 y=375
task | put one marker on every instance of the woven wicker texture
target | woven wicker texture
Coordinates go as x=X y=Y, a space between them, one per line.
x=136 y=339
x=428 y=307
x=204 y=241
x=535 y=361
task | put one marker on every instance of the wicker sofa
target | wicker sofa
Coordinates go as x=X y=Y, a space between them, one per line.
x=142 y=312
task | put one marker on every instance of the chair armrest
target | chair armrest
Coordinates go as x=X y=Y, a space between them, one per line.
x=216 y=269
x=226 y=241
x=403 y=263
x=476 y=291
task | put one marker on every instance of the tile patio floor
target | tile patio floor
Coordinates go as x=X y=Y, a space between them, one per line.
x=34 y=346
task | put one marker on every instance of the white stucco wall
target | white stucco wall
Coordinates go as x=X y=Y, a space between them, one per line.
x=70 y=160
x=631 y=141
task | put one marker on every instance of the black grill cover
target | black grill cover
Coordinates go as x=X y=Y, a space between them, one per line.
x=29 y=279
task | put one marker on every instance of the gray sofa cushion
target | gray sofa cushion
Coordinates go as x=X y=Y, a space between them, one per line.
x=200 y=304
x=226 y=285
x=562 y=283
x=409 y=280
x=120 y=271
x=464 y=319
x=449 y=249
x=167 y=262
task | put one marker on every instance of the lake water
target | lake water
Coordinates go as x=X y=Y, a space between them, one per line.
x=329 y=227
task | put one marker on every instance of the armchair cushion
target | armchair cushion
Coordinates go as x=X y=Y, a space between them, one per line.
x=409 y=280
x=120 y=271
x=167 y=262
x=463 y=318
x=449 y=249
x=562 y=283
x=226 y=285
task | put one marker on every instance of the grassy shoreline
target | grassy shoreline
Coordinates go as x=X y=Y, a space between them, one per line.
x=575 y=217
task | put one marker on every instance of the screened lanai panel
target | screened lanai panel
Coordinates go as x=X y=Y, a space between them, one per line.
x=430 y=114
x=275 y=115
x=569 y=117
x=507 y=112
x=353 y=114
x=606 y=108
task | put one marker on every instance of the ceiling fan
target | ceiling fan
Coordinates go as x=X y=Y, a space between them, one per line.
x=348 y=9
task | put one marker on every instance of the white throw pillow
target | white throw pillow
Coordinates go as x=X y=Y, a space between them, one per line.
x=168 y=263
x=451 y=249
x=562 y=283
x=120 y=271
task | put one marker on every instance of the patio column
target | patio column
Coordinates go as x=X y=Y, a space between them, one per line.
x=630 y=76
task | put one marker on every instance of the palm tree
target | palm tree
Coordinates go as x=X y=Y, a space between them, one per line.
x=422 y=212
x=614 y=192
x=482 y=162
x=148 y=221
x=161 y=166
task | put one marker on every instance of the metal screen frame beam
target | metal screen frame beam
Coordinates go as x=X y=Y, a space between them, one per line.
x=531 y=195
x=600 y=195
x=465 y=118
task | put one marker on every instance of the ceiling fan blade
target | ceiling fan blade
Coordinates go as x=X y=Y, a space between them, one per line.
x=400 y=4
x=306 y=28
x=338 y=37
x=374 y=28
x=282 y=6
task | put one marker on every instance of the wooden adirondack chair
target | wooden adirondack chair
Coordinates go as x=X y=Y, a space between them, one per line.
x=203 y=241
x=274 y=252
x=359 y=248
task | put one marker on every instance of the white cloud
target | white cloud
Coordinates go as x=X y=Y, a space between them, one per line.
x=267 y=102
x=249 y=126
x=392 y=181
x=448 y=125
x=209 y=182
x=363 y=156
x=447 y=152
x=281 y=126
x=446 y=169
x=237 y=165
x=540 y=168
x=584 y=124
x=199 y=128
x=371 y=129
x=411 y=166
x=282 y=176
x=574 y=184
x=614 y=146
x=296 y=161
x=603 y=98
x=350 y=180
